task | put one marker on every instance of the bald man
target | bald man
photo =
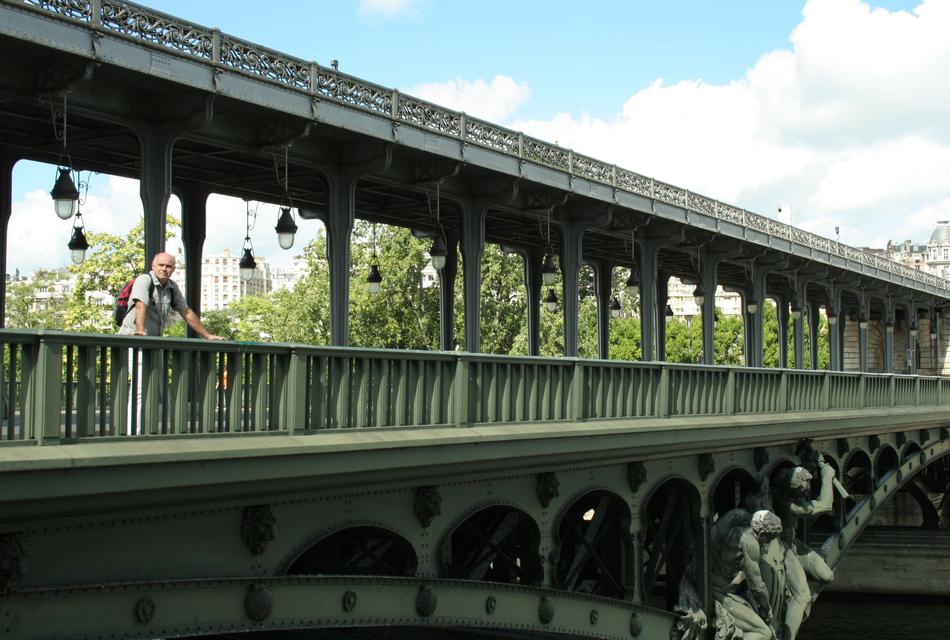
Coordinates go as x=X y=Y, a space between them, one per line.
x=154 y=296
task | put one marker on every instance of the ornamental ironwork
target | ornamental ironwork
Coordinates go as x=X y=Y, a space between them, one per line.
x=184 y=38
x=75 y=9
x=265 y=63
x=488 y=135
x=158 y=28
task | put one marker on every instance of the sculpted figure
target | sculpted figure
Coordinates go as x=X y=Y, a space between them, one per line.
x=746 y=593
x=792 y=501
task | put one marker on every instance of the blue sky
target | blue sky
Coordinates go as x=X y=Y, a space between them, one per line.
x=835 y=107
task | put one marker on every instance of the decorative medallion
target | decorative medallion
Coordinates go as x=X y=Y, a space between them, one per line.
x=545 y=610
x=841 y=541
x=636 y=475
x=901 y=439
x=258 y=603
x=548 y=488
x=924 y=435
x=426 y=601
x=594 y=616
x=923 y=458
x=944 y=433
x=706 y=465
x=258 y=527
x=427 y=505
x=636 y=625
x=760 y=456
x=843 y=447
x=490 y=604
x=144 y=610
x=900 y=475
x=12 y=561
x=349 y=601
x=874 y=443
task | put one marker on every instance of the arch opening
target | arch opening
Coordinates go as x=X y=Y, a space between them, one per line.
x=360 y=551
x=593 y=545
x=495 y=544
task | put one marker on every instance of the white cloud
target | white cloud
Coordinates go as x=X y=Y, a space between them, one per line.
x=494 y=101
x=848 y=126
x=387 y=9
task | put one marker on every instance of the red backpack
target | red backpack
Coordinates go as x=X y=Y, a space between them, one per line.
x=122 y=302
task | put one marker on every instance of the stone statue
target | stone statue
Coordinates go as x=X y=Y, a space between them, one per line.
x=791 y=501
x=746 y=595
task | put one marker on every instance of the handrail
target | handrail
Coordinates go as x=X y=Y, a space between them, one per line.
x=180 y=37
x=57 y=386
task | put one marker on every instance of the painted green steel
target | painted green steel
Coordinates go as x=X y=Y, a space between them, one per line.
x=185 y=607
x=52 y=395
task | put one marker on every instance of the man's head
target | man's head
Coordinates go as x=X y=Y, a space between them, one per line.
x=765 y=525
x=163 y=265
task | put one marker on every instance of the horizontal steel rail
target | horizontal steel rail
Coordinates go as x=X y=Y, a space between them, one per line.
x=221 y=51
x=59 y=387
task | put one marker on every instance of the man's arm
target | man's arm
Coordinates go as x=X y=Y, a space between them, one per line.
x=140 y=309
x=195 y=323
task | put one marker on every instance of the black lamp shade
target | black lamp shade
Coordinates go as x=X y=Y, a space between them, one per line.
x=248 y=264
x=77 y=245
x=286 y=228
x=65 y=195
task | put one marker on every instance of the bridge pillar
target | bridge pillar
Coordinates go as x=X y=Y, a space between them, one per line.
x=662 y=297
x=813 y=324
x=194 y=200
x=835 y=326
x=603 y=275
x=911 y=328
x=532 y=282
x=447 y=293
x=755 y=323
x=781 y=308
x=155 y=185
x=649 y=248
x=7 y=160
x=473 y=246
x=888 y=321
x=572 y=241
x=800 y=301
x=339 y=224
x=863 y=332
x=708 y=279
x=746 y=324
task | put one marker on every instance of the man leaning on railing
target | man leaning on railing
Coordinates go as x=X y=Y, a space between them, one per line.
x=154 y=296
x=149 y=314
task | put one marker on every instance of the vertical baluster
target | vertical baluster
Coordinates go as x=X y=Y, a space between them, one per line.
x=235 y=391
x=318 y=391
x=85 y=392
x=207 y=379
x=119 y=398
x=416 y=392
x=401 y=397
x=68 y=391
x=178 y=391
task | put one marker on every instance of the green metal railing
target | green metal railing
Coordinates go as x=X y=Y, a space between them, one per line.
x=63 y=387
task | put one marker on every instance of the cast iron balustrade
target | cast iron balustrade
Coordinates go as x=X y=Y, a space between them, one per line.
x=63 y=387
